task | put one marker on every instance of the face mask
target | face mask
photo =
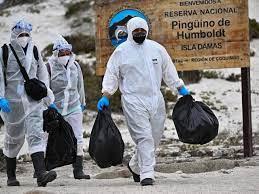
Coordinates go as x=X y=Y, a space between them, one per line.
x=139 y=37
x=63 y=60
x=23 y=41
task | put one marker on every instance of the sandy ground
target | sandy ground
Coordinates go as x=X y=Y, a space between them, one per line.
x=237 y=180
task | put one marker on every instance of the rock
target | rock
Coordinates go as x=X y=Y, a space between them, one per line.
x=224 y=171
x=185 y=176
x=217 y=153
x=173 y=151
x=179 y=172
x=186 y=155
x=196 y=166
x=38 y=192
x=122 y=173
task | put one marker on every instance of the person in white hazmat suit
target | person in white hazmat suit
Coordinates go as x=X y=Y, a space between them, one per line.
x=21 y=114
x=67 y=84
x=137 y=67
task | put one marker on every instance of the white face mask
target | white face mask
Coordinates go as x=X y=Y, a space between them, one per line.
x=63 y=60
x=23 y=41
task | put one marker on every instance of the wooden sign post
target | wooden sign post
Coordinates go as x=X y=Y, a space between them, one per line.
x=198 y=34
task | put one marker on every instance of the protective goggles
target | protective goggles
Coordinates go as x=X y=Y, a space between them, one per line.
x=63 y=47
x=64 y=52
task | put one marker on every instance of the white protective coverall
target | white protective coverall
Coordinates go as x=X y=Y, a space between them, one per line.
x=25 y=118
x=138 y=69
x=67 y=85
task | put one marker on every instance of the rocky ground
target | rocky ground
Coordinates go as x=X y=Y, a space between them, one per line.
x=195 y=175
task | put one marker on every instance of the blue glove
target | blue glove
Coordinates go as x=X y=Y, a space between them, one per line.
x=53 y=106
x=104 y=101
x=4 y=105
x=183 y=91
x=83 y=107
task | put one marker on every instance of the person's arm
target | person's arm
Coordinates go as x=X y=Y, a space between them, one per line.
x=80 y=85
x=43 y=76
x=110 y=80
x=2 y=82
x=170 y=75
x=111 y=77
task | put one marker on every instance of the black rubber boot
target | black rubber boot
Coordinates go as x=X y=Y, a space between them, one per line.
x=146 y=182
x=11 y=169
x=135 y=176
x=43 y=177
x=78 y=169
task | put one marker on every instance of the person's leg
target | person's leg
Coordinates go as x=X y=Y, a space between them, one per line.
x=134 y=167
x=138 y=122
x=36 y=144
x=158 y=121
x=76 y=121
x=14 y=139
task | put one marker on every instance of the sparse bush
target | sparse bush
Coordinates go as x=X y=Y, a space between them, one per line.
x=5 y=13
x=86 y=134
x=169 y=96
x=33 y=9
x=81 y=44
x=223 y=107
x=190 y=76
x=1 y=122
x=211 y=74
x=11 y=3
x=87 y=20
x=93 y=90
x=253 y=29
x=47 y=51
x=74 y=8
x=252 y=53
x=234 y=77
x=2 y=161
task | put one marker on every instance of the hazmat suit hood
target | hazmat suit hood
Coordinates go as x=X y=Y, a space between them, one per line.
x=61 y=44
x=134 y=24
x=19 y=28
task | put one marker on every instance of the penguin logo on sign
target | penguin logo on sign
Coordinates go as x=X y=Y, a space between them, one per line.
x=118 y=25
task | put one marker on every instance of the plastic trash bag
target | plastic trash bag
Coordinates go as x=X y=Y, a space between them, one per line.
x=194 y=121
x=62 y=143
x=106 y=146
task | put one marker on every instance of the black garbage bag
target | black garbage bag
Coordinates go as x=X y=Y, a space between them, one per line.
x=194 y=121
x=62 y=143
x=106 y=146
